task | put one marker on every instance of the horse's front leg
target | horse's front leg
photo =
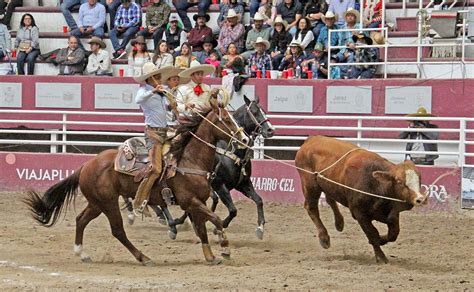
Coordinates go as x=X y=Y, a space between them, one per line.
x=246 y=188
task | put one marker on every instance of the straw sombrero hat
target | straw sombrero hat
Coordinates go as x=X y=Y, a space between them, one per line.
x=171 y=71
x=261 y=40
x=194 y=67
x=378 y=38
x=259 y=16
x=296 y=43
x=421 y=112
x=149 y=69
x=353 y=12
x=279 y=19
x=231 y=13
x=96 y=40
x=329 y=14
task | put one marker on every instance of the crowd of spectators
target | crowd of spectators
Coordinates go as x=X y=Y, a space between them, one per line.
x=281 y=35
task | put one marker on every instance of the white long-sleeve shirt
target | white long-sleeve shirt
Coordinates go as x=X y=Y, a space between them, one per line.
x=154 y=106
x=101 y=61
x=187 y=95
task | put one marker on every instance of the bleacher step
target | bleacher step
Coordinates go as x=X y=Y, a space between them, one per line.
x=407 y=24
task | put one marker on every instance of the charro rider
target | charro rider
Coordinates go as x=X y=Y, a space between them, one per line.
x=153 y=101
x=171 y=81
x=195 y=94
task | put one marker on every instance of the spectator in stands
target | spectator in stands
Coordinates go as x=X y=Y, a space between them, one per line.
x=112 y=6
x=71 y=60
x=6 y=10
x=258 y=31
x=338 y=7
x=291 y=11
x=209 y=43
x=5 y=41
x=232 y=60
x=373 y=14
x=184 y=59
x=314 y=11
x=422 y=159
x=336 y=39
x=224 y=10
x=174 y=36
x=138 y=57
x=231 y=32
x=183 y=5
x=90 y=21
x=127 y=23
x=280 y=40
x=199 y=32
x=162 y=57
x=215 y=61
x=363 y=55
x=27 y=44
x=304 y=35
x=346 y=55
x=99 y=62
x=157 y=16
x=261 y=60
x=255 y=5
x=317 y=62
x=294 y=57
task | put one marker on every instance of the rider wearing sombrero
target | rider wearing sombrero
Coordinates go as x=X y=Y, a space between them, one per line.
x=195 y=94
x=423 y=159
x=152 y=100
x=171 y=81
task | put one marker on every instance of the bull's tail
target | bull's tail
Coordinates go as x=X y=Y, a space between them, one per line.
x=47 y=209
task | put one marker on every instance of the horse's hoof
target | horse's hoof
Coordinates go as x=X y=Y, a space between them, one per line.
x=381 y=259
x=148 y=263
x=172 y=235
x=259 y=232
x=215 y=262
x=325 y=242
x=339 y=225
x=86 y=259
x=226 y=253
x=162 y=221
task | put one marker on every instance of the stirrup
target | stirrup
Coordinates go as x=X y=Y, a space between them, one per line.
x=139 y=211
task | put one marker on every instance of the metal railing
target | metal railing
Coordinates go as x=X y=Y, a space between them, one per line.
x=362 y=131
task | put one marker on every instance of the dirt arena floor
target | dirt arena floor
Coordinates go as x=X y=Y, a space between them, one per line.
x=434 y=251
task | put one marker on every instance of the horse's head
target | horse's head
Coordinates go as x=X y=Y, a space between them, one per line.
x=225 y=125
x=253 y=118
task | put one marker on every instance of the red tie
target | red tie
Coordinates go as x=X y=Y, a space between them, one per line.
x=198 y=90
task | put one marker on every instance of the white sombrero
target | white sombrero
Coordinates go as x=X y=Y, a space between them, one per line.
x=296 y=43
x=231 y=13
x=353 y=12
x=259 y=16
x=263 y=41
x=280 y=20
x=329 y=14
x=171 y=71
x=194 y=67
x=149 y=69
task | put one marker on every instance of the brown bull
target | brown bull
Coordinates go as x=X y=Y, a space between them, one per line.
x=362 y=170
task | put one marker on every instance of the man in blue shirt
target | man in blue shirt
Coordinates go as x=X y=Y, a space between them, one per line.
x=127 y=23
x=152 y=100
x=90 y=21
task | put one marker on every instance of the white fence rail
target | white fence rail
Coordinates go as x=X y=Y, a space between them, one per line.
x=453 y=148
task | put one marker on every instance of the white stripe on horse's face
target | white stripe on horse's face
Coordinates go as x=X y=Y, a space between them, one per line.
x=413 y=183
x=268 y=122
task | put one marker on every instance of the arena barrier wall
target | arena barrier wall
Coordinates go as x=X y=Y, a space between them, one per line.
x=274 y=181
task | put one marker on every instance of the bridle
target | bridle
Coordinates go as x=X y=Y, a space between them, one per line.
x=258 y=125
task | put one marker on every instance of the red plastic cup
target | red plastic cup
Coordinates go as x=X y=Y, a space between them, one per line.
x=259 y=74
x=65 y=29
x=290 y=73
x=310 y=74
x=224 y=72
x=13 y=54
x=121 y=71
x=285 y=74
x=214 y=2
x=267 y=74
x=142 y=28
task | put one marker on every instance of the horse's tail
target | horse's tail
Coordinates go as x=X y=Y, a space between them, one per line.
x=47 y=209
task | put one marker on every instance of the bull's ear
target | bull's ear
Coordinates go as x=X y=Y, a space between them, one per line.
x=382 y=176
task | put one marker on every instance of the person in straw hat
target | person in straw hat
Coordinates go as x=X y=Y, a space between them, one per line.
x=195 y=94
x=294 y=57
x=231 y=32
x=280 y=40
x=153 y=101
x=346 y=55
x=336 y=39
x=261 y=59
x=99 y=60
x=258 y=31
x=423 y=159
x=171 y=81
x=224 y=9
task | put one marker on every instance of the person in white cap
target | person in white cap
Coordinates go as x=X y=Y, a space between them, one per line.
x=153 y=101
x=231 y=32
x=258 y=31
x=260 y=58
x=336 y=39
x=195 y=94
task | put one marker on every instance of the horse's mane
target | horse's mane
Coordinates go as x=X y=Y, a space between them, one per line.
x=183 y=131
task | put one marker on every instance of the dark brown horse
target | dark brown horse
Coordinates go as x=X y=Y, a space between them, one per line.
x=101 y=185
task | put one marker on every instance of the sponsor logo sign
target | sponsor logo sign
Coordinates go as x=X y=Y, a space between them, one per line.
x=58 y=95
x=407 y=99
x=10 y=94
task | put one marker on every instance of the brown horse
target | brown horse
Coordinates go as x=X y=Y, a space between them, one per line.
x=101 y=185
